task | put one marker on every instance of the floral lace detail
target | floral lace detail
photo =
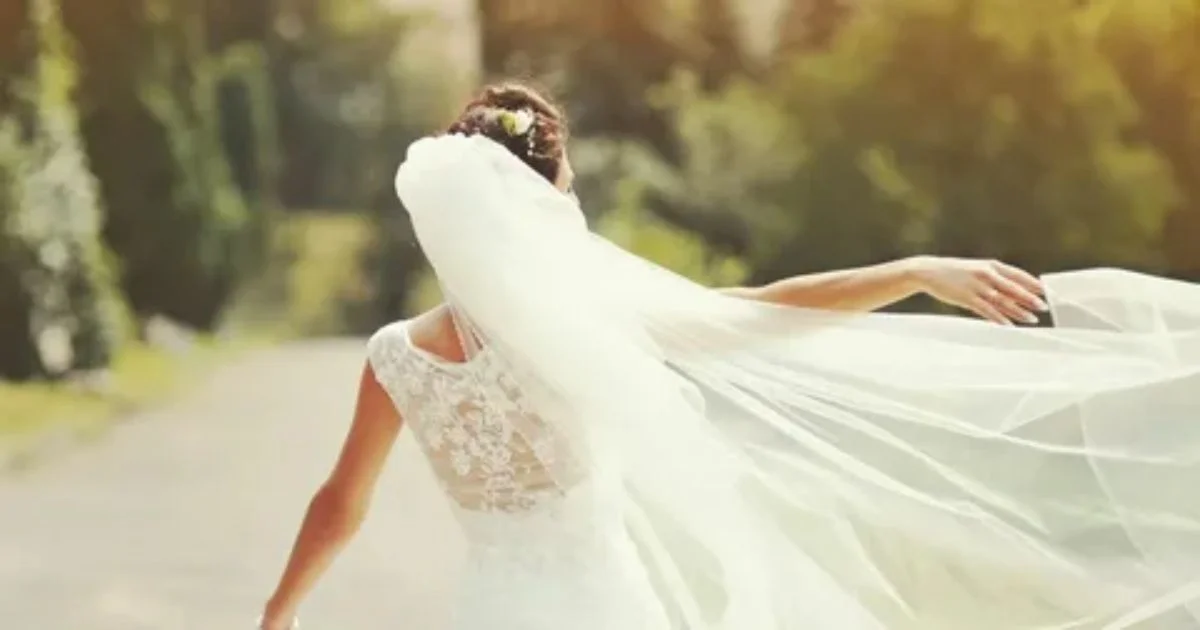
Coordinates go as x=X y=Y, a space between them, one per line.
x=543 y=555
x=566 y=565
x=488 y=451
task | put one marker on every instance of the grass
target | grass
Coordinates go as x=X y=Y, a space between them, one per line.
x=316 y=269
x=140 y=376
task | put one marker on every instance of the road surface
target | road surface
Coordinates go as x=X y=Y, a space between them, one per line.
x=181 y=517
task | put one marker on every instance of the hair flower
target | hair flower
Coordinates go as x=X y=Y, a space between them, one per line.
x=517 y=123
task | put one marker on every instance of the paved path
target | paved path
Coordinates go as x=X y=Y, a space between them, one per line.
x=182 y=517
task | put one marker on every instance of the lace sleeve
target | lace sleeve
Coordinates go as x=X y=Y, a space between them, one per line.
x=385 y=354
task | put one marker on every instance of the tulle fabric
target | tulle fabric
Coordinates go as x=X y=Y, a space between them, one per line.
x=783 y=468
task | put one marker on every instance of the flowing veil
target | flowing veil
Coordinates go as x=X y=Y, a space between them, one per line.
x=783 y=468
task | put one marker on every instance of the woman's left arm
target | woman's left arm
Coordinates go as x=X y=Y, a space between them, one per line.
x=992 y=289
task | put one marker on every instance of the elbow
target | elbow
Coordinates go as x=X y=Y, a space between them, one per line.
x=338 y=513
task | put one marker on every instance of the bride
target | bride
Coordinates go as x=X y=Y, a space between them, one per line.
x=626 y=450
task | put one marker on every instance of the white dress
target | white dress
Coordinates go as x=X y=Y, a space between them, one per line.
x=539 y=558
x=788 y=469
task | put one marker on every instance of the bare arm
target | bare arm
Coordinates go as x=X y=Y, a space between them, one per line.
x=991 y=289
x=859 y=289
x=339 y=506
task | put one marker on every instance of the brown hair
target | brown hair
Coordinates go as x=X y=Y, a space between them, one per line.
x=542 y=147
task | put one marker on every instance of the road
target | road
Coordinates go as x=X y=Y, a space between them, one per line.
x=181 y=517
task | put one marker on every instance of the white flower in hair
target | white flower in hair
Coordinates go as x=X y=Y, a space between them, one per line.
x=517 y=123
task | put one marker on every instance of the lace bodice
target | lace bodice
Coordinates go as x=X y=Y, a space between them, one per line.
x=546 y=551
x=488 y=451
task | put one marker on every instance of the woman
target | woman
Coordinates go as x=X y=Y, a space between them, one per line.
x=627 y=450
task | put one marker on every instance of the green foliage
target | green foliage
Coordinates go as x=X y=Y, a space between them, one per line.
x=1063 y=135
x=376 y=85
x=932 y=125
x=352 y=95
x=343 y=114
x=631 y=180
x=808 y=25
x=1155 y=48
x=61 y=311
x=602 y=58
x=20 y=358
x=632 y=227
x=248 y=121
x=314 y=282
x=249 y=136
x=139 y=375
x=176 y=220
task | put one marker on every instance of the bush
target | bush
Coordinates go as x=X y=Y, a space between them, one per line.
x=951 y=126
x=313 y=283
x=628 y=223
x=61 y=310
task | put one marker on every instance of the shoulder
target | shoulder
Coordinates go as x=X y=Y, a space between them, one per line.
x=388 y=334
x=387 y=346
x=394 y=342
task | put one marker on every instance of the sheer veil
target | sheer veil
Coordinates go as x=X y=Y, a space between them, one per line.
x=785 y=468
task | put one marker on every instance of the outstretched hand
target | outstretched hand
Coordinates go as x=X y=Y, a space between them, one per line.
x=991 y=289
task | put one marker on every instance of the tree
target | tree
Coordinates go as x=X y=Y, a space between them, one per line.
x=724 y=52
x=151 y=123
x=1155 y=48
x=61 y=309
x=240 y=40
x=812 y=25
x=603 y=58
x=933 y=125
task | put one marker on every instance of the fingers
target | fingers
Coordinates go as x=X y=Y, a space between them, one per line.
x=993 y=290
x=1015 y=300
x=1012 y=292
x=1023 y=278
x=985 y=309
x=1000 y=296
x=1012 y=310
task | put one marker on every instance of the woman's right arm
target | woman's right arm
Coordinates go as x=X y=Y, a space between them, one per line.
x=339 y=506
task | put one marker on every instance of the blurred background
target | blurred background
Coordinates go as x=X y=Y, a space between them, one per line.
x=204 y=188
x=182 y=177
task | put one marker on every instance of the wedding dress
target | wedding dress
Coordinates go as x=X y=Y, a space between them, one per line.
x=627 y=450
x=540 y=556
